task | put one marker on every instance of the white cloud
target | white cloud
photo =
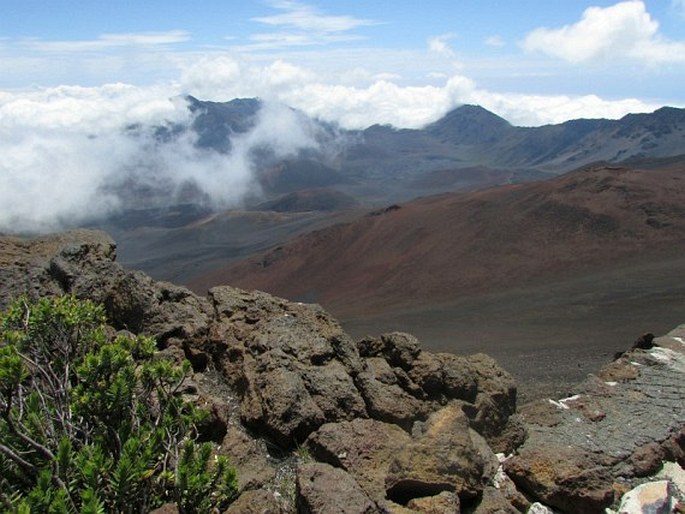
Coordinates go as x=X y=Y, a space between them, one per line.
x=439 y=45
x=213 y=78
x=536 y=110
x=106 y=41
x=382 y=102
x=276 y=40
x=622 y=31
x=305 y=17
x=383 y=99
x=495 y=41
x=304 y=25
x=66 y=149
x=224 y=77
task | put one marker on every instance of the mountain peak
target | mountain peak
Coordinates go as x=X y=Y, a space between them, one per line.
x=216 y=121
x=236 y=104
x=470 y=124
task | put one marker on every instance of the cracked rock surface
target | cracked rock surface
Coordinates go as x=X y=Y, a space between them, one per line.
x=618 y=428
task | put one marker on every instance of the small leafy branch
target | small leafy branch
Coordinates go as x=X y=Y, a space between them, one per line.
x=89 y=425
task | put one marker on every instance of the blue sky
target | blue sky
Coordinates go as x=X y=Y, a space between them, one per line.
x=523 y=59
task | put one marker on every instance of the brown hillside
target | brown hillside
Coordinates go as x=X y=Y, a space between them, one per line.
x=444 y=247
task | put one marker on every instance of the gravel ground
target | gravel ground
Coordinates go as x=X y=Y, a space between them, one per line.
x=549 y=337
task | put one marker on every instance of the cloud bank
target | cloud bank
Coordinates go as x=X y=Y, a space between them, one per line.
x=384 y=100
x=65 y=152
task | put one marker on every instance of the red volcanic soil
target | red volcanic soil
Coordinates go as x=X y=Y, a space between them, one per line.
x=318 y=199
x=441 y=248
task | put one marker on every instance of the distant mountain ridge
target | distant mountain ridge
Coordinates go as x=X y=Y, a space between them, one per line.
x=466 y=137
x=217 y=122
x=384 y=164
x=468 y=149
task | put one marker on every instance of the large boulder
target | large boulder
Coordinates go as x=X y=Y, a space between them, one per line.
x=386 y=400
x=82 y=263
x=495 y=399
x=53 y=264
x=441 y=457
x=365 y=448
x=323 y=489
x=291 y=364
x=563 y=477
x=424 y=382
x=173 y=315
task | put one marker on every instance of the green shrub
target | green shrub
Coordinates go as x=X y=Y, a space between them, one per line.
x=89 y=425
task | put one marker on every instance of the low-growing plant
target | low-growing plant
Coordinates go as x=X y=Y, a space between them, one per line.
x=89 y=425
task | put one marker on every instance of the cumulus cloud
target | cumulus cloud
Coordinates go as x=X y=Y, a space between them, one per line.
x=223 y=77
x=65 y=150
x=621 y=31
x=536 y=110
x=383 y=100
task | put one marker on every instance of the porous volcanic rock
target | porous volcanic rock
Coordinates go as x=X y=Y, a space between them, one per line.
x=323 y=489
x=441 y=457
x=398 y=429
x=487 y=393
x=82 y=263
x=563 y=477
x=291 y=364
x=25 y=264
x=365 y=448
x=444 y=503
x=257 y=501
x=389 y=401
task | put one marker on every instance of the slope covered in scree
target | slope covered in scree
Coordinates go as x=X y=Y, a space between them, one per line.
x=447 y=246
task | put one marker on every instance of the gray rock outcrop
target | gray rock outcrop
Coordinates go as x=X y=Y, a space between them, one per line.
x=621 y=426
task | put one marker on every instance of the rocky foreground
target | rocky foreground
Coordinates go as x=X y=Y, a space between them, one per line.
x=318 y=423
